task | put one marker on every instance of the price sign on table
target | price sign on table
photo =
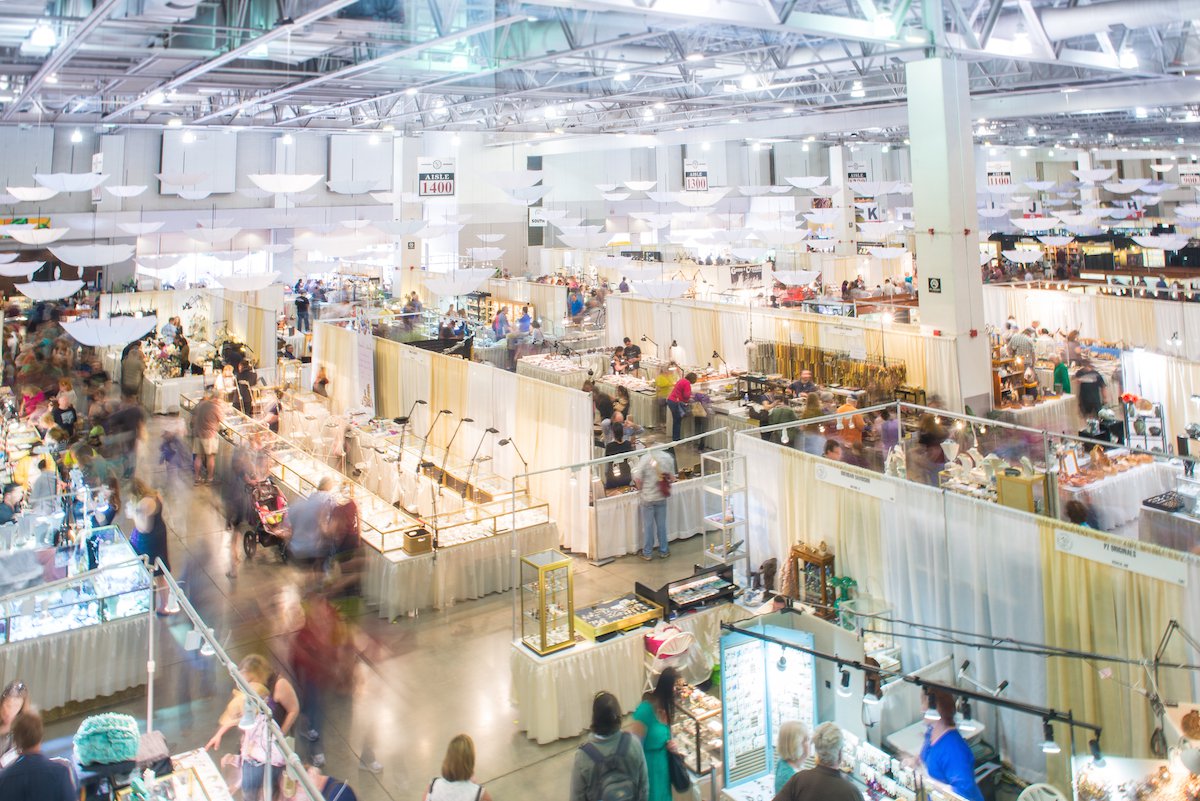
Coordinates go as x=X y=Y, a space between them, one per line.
x=435 y=177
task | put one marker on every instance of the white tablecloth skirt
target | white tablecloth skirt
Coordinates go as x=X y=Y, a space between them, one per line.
x=553 y=694
x=406 y=585
x=161 y=396
x=572 y=378
x=1058 y=416
x=1178 y=531
x=79 y=665
x=643 y=407
x=1116 y=501
x=617 y=521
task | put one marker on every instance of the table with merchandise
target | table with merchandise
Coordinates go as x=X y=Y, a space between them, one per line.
x=101 y=618
x=616 y=522
x=643 y=402
x=566 y=371
x=1058 y=415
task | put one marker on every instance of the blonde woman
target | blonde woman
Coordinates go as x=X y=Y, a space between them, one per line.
x=457 y=782
x=791 y=751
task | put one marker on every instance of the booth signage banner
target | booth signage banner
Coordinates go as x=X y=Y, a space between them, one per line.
x=857 y=171
x=695 y=175
x=97 y=167
x=999 y=173
x=875 y=487
x=1189 y=174
x=537 y=217
x=435 y=177
x=1125 y=556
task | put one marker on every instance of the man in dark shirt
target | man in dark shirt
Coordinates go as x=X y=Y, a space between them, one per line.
x=64 y=414
x=11 y=502
x=804 y=384
x=633 y=356
x=246 y=378
x=824 y=782
x=1091 y=390
x=33 y=776
x=302 y=320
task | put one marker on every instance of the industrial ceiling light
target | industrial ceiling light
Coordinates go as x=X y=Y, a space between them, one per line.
x=188 y=137
x=43 y=36
x=883 y=25
x=647 y=114
x=1141 y=113
x=856 y=89
x=410 y=91
x=1031 y=131
x=788 y=109
x=156 y=99
x=659 y=106
x=551 y=113
x=175 y=122
x=1127 y=60
x=705 y=146
x=749 y=81
x=76 y=136
x=693 y=57
x=52 y=78
x=286 y=139
x=622 y=76
x=729 y=87
x=887 y=148
x=1048 y=745
x=373 y=139
x=459 y=62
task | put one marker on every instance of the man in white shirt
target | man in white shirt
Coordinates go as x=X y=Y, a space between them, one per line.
x=654 y=474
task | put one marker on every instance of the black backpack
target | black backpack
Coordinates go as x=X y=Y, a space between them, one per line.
x=614 y=783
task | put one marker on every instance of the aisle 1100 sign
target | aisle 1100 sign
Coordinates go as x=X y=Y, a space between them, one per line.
x=435 y=177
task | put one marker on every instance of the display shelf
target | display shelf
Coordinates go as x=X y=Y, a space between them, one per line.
x=615 y=615
x=475 y=522
x=547 y=602
x=813 y=569
x=725 y=536
x=1145 y=428
x=121 y=588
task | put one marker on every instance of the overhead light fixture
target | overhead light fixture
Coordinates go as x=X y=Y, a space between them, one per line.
x=729 y=87
x=52 y=79
x=749 y=81
x=532 y=18
x=788 y=109
x=175 y=122
x=622 y=76
x=1127 y=60
x=1031 y=131
x=156 y=99
x=410 y=91
x=659 y=106
x=782 y=663
x=804 y=147
x=551 y=113
x=188 y=137
x=1023 y=152
x=705 y=146
x=886 y=148
x=693 y=57
x=883 y=25
x=259 y=51
x=1048 y=745
x=843 y=689
x=1141 y=113
x=76 y=136
x=756 y=146
x=286 y=139
x=389 y=127
x=373 y=139
x=43 y=35
x=1021 y=46
x=1097 y=756
x=647 y=114
x=856 y=89
x=460 y=62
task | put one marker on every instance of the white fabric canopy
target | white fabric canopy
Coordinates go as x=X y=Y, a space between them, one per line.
x=873 y=188
x=49 y=290
x=284 y=183
x=513 y=179
x=1094 y=176
x=1056 y=241
x=140 y=228
x=248 y=283
x=641 y=186
x=1126 y=185
x=698 y=200
x=92 y=255
x=611 y=261
x=807 y=182
x=71 y=181
x=348 y=187
x=484 y=254
x=1032 y=224
x=776 y=238
x=879 y=230
x=823 y=216
x=177 y=179
x=796 y=277
x=993 y=211
x=458 y=282
x=585 y=241
x=127 y=190
x=20 y=269
x=825 y=191
x=32 y=194
x=489 y=238
x=1023 y=255
x=662 y=290
x=887 y=253
x=1162 y=241
x=37 y=236
x=110 y=331
x=614 y=197
x=400 y=227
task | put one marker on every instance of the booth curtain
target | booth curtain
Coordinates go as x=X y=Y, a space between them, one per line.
x=334 y=349
x=948 y=561
x=1167 y=379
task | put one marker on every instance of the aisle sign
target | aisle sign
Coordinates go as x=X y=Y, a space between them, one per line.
x=1126 y=555
x=875 y=487
x=435 y=177
x=1189 y=174
x=856 y=171
x=537 y=217
x=999 y=173
x=695 y=175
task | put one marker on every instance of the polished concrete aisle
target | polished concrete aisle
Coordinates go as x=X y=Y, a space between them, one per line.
x=421 y=680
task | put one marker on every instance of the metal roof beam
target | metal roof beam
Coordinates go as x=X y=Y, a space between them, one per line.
x=278 y=32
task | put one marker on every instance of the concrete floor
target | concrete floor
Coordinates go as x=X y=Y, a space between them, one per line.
x=421 y=680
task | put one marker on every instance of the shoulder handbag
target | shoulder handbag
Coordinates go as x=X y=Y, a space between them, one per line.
x=681 y=780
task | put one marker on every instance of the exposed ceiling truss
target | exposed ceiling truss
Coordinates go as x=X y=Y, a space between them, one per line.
x=570 y=66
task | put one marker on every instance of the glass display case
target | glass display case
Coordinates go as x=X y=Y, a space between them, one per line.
x=614 y=615
x=476 y=521
x=696 y=729
x=547 y=602
x=122 y=588
x=725 y=534
x=706 y=586
x=813 y=569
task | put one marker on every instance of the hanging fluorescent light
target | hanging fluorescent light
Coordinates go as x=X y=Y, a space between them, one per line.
x=43 y=36
x=76 y=136
x=788 y=109
x=622 y=76
x=694 y=57
x=856 y=89
x=1127 y=60
x=749 y=81
x=175 y=122
x=410 y=91
x=1140 y=113
x=156 y=99
x=1048 y=745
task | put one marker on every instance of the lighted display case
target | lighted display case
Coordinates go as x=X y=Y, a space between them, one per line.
x=121 y=589
x=813 y=569
x=547 y=602
x=475 y=522
x=707 y=586
x=696 y=729
x=616 y=614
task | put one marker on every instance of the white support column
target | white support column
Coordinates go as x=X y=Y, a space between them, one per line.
x=946 y=220
x=1087 y=194
x=845 y=228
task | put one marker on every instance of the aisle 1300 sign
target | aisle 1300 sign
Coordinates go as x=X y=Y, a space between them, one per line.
x=435 y=177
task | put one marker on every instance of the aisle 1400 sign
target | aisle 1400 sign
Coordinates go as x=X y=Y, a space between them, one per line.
x=435 y=177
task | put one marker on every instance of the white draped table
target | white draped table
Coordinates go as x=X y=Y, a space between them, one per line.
x=643 y=405
x=1171 y=530
x=553 y=694
x=402 y=585
x=617 y=523
x=1057 y=415
x=161 y=395
x=562 y=370
x=80 y=665
x=1116 y=501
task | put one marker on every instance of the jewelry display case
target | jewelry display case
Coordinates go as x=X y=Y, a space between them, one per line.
x=547 y=602
x=763 y=684
x=616 y=614
x=813 y=569
x=707 y=586
x=696 y=729
x=121 y=589
x=725 y=534
x=475 y=522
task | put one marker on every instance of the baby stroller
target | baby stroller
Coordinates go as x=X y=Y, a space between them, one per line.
x=271 y=529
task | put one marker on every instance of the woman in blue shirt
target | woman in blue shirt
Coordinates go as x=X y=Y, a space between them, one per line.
x=946 y=756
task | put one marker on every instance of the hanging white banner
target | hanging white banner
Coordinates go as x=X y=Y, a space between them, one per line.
x=1124 y=556
x=875 y=487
